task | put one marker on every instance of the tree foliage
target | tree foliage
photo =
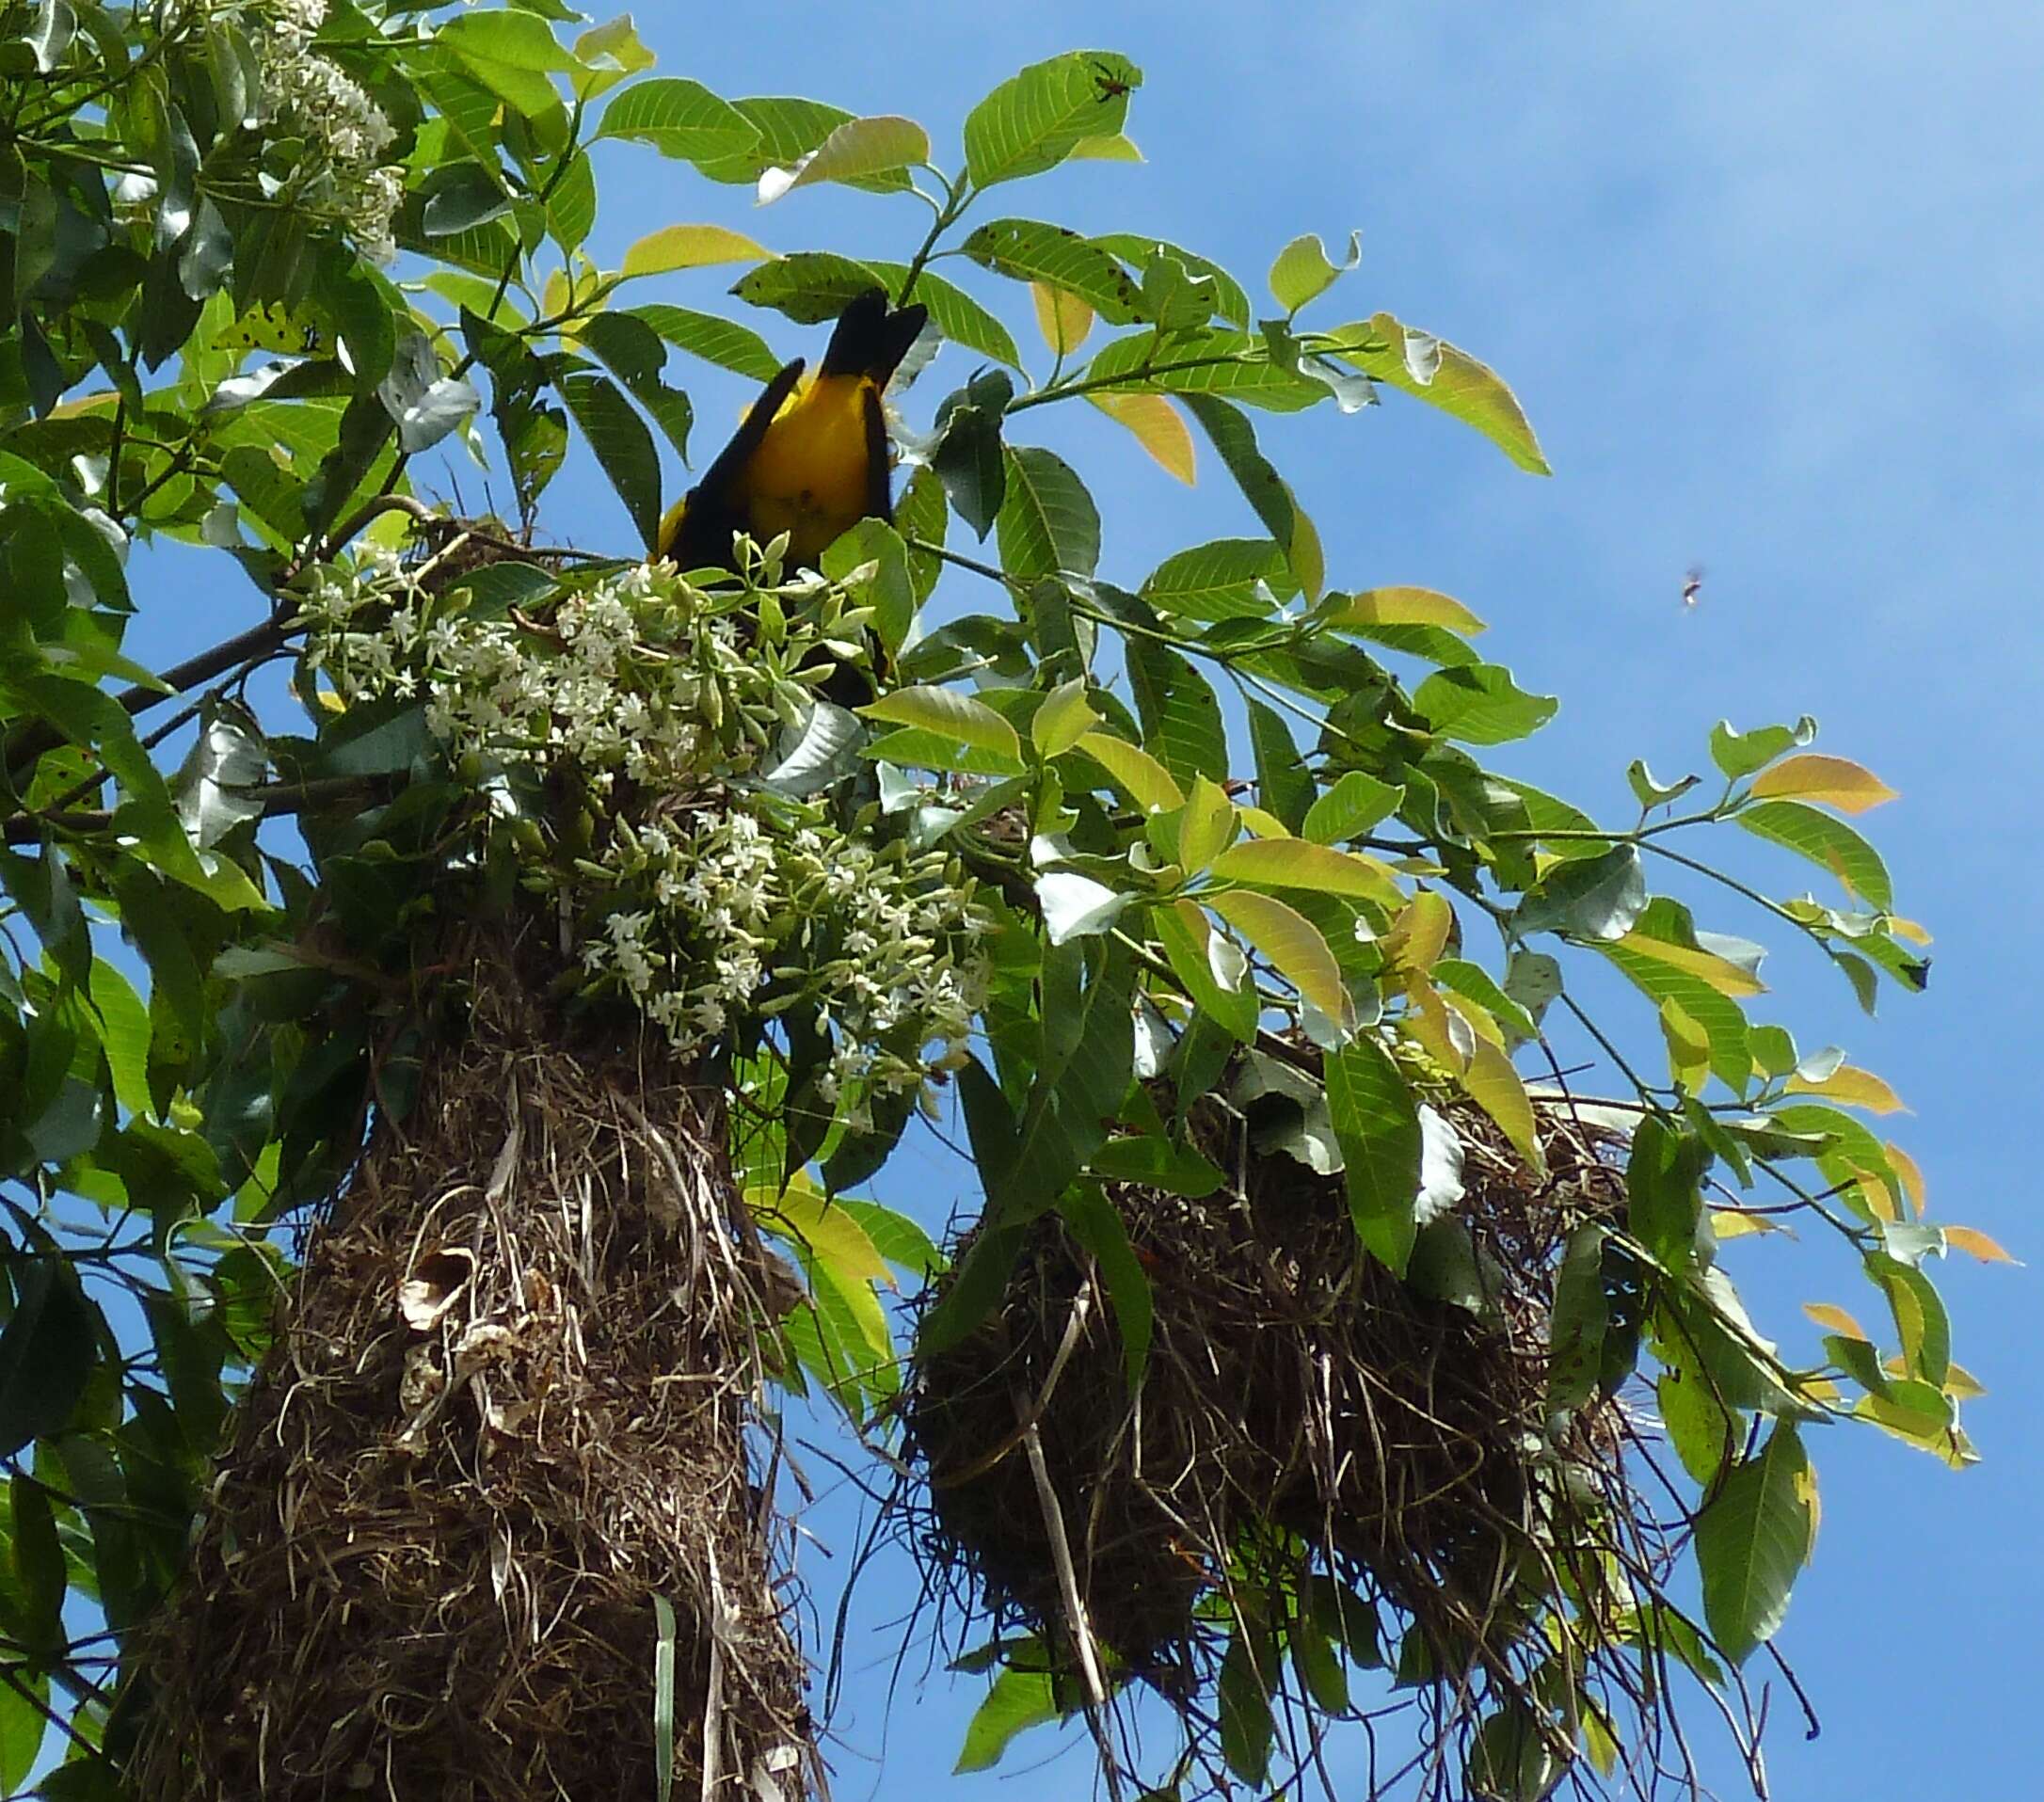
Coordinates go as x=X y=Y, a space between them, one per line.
x=1229 y=796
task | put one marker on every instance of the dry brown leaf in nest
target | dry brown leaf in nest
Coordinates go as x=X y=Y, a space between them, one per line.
x=434 y=1287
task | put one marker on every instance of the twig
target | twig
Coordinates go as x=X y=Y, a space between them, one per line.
x=1075 y=1607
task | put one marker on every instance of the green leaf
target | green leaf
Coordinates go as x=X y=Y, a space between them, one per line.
x=1235 y=440
x=678 y=118
x=1596 y=899
x=1719 y=1015
x=1215 y=363
x=1356 y=803
x=968 y=458
x=1823 y=840
x=125 y=1036
x=46 y=1351
x=809 y=286
x=512 y=53
x=1377 y=1122
x=1578 y=1320
x=1473 y=983
x=1181 y=926
x=1664 y=1197
x=1432 y=369
x=788 y=129
x=1064 y=718
x=1740 y=754
x=663 y=1668
x=635 y=354
x=21 y=1726
x=1028 y=250
x=714 y=340
x=1480 y=704
x=1047 y=524
x=1088 y=1063
x=1137 y=249
x=1650 y=792
x=1018 y=1699
x=1284 y=783
x=622 y=445
x=950 y=716
x=1302 y=271
x=1180 y=713
x=1228 y=579
x=958 y=316
x=1248 y=1729
x=1097 y=1225
x=895 y=1236
x=1752 y=1541
x=1034 y=121
x=857 y=150
x=1705 y=1432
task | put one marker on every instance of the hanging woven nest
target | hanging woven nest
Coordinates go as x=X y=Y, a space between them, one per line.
x=1316 y=1446
x=503 y=1428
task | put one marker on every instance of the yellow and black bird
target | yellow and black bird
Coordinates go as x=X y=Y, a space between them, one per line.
x=810 y=458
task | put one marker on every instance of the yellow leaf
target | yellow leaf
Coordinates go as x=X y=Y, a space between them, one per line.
x=806 y=1215
x=1064 y=718
x=1837 y=1321
x=555 y=295
x=1723 y=975
x=1149 y=784
x=1107 y=146
x=1433 y=1026
x=1481 y=1021
x=1406 y=606
x=1908 y=928
x=1819 y=1390
x=1294 y=946
x=689 y=247
x=1947 y=1443
x=1298 y=863
x=1157 y=426
x=1061 y=316
x=1309 y=563
x=1208 y=826
x=1971 y=1239
x=1961 y=1384
x=1853 y=1088
x=1688 y=1047
x=1879 y=1193
x=1494 y=1085
x=1736 y=1224
x=1264 y=825
x=1911 y=1177
x=1419 y=934
x=1838 y=782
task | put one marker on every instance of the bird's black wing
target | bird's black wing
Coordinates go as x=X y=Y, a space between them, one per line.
x=711 y=514
x=879 y=478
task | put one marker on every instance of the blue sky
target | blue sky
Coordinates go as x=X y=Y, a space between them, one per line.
x=1768 y=282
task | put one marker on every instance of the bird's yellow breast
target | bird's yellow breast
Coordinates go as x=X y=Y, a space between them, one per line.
x=809 y=477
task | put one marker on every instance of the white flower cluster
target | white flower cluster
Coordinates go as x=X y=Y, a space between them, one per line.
x=703 y=899
x=309 y=97
x=881 y=945
x=635 y=676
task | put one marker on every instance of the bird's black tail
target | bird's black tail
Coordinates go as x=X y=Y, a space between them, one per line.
x=870 y=339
